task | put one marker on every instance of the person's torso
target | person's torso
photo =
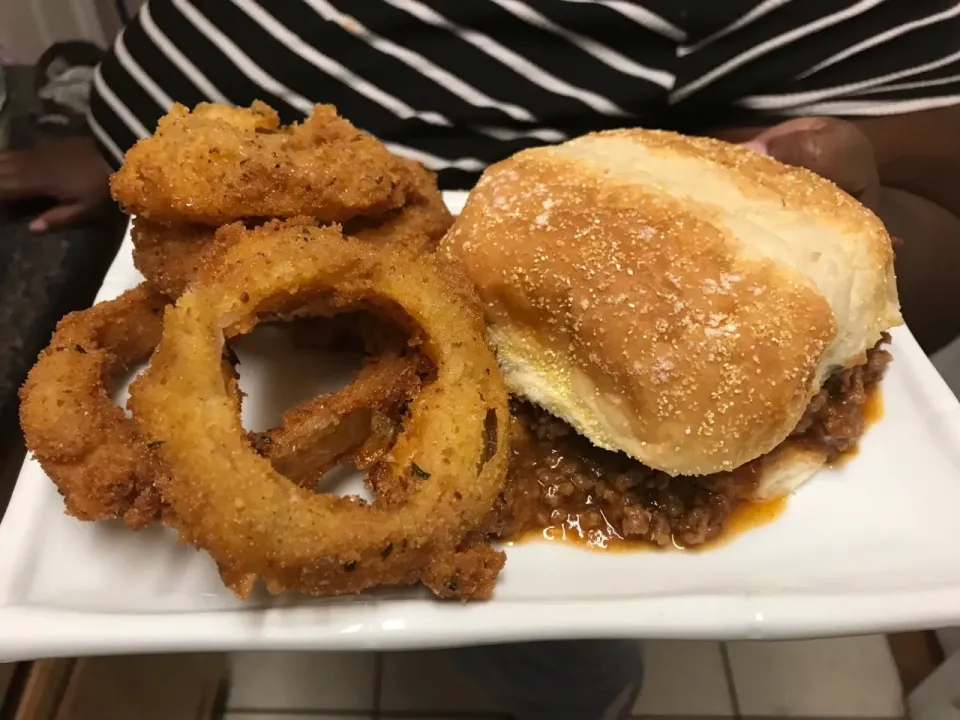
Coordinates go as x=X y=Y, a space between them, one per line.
x=459 y=85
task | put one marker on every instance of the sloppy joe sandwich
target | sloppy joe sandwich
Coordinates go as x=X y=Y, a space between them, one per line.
x=686 y=301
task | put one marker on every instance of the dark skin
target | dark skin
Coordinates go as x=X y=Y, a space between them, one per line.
x=70 y=171
x=905 y=168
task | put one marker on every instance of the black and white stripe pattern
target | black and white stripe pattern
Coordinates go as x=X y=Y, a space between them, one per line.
x=458 y=85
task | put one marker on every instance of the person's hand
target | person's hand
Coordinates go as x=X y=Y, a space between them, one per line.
x=71 y=171
x=832 y=148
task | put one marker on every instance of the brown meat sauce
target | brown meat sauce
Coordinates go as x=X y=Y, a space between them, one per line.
x=564 y=488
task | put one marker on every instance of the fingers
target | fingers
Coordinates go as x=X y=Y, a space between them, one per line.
x=57 y=217
x=832 y=148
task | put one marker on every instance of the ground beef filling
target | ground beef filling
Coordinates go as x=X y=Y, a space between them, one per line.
x=561 y=484
x=835 y=418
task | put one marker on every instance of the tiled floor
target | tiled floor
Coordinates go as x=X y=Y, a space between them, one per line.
x=845 y=678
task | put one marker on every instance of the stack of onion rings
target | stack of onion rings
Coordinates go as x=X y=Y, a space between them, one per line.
x=426 y=417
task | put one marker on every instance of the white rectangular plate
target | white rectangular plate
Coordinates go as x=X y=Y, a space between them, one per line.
x=868 y=547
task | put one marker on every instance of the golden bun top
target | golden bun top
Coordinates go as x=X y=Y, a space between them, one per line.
x=680 y=299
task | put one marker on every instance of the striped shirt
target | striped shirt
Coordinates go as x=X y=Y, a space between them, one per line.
x=460 y=84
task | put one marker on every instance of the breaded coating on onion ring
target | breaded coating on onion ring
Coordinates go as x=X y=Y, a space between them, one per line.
x=169 y=256
x=451 y=454
x=419 y=225
x=358 y=422
x=218 y=164
x=82 y=440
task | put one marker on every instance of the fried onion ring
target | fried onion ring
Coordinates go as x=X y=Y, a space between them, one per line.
x=361 y=331
x=82 y=440
x=169 y=256
x=219 y=164
x=419 y=225
x=452 y=452
x=358 y=422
